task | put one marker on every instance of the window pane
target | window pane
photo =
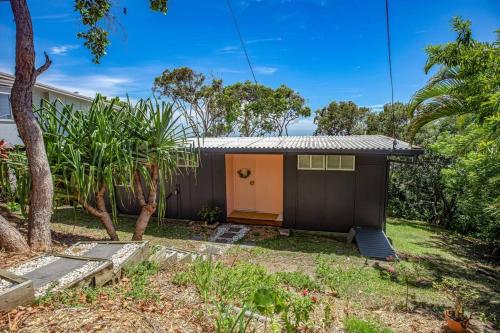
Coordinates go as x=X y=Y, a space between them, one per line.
x=333 y=162
x=5 y=107
x=348 y=162
x=318 y=162
x=304 y=161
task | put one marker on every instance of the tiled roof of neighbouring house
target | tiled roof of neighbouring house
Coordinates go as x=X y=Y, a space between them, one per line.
x=376 y=143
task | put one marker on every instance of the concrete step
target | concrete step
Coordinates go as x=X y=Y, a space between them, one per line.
x=167 y=255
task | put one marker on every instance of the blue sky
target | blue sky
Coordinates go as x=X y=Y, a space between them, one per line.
x=325 y=49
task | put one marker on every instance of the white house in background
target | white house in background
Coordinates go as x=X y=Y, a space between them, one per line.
x=8 y=129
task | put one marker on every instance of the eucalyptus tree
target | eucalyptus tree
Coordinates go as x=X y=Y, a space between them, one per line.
x=252 y=105
x=96 y=39
x=467 y=81
x=391 y=121
x=158 y=141
x=203 y=104
x=340 y=118
x=287 y=107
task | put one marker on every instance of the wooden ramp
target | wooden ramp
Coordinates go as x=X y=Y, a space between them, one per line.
x=373 y=243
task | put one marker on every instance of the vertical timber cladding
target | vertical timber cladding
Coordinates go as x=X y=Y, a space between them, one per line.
x=188 y=191
x=335 y=200
x=205 y=185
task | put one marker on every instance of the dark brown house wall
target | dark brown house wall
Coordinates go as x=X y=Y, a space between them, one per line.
x=189 y=191
x=335 y=200
x=313 y=200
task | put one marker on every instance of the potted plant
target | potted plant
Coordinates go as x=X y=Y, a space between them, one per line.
x=210 y=214
x=461 y=295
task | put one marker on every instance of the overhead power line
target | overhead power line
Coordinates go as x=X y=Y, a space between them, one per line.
x=236 y=25
x=387 y=26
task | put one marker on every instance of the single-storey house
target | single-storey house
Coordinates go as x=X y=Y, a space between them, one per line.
x=8 y=129
x=322 y=183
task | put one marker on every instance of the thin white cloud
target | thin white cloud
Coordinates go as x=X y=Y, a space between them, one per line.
x=265 y=70
x=89 y=85
x=63 y=49
x=63 y=17
x=229 y=49
x=264 y=40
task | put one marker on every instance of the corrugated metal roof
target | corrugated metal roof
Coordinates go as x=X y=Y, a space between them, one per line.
x=373 y=243
x=286 y=143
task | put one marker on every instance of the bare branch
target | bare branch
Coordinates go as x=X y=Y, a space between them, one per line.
x=45 y=66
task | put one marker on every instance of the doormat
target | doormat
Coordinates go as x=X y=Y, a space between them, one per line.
x=229 y=233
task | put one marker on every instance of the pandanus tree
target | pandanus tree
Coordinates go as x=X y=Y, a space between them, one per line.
x=466 y=83
x=88 y=153
x=92 y=151
x=158 y=140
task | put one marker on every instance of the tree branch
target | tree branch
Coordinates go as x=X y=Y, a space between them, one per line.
x=45 y=66
x=139 y=194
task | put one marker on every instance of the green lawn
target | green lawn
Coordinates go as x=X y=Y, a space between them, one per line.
x=359 y=286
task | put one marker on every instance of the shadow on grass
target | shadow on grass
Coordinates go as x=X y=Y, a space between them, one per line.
x=452 y=242
x=76 y=217
x=487 y=285
x=72 y=218
x=307 y=243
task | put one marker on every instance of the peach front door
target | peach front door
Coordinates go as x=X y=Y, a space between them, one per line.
x=244 y=188
x=262 y=190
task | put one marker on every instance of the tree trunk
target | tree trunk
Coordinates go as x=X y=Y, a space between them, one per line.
x=101 y=213
x=11 y=239
x=147 y=207
x=40 y=199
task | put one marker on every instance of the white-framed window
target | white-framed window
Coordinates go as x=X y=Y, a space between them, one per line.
x=326 y=162
x=341 y=162
x=5 y=109
x=188 y=161
x=311 y=162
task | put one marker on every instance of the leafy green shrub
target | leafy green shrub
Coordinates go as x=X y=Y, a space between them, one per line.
x=210 y=214
x=356 y=325
x=298 y=280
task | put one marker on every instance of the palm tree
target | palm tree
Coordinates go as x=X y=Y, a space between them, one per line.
x=88 y=153
x=467 y=82
x=158 y=139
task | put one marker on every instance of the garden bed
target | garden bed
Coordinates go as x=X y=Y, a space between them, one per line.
x=14 y=291
x=55 y=272
x=121 y=254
